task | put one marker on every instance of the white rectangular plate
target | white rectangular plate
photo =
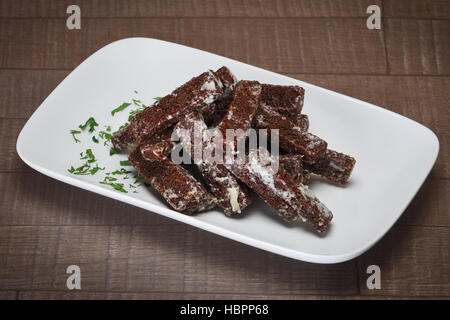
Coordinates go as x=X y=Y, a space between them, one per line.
x=394 y=154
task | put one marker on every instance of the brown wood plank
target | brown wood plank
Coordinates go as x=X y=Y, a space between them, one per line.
x=97 y=295
x=10 y=161
x=418 y=46
x=236 y=268
x=414 y=261
x=8 y=295
x=292 y=45
x=163 y=258
x=22 y=91
x=189 y=8
x=34 y=199
x=424 y=99
x=438 y=9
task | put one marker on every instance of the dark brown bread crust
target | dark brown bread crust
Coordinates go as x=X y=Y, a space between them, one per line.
x=335 y=167
x=231 y=196
x=243 y=107
x=292 y=163
x=159 y=146
x=196 y=94
x=122 y=138
x=174 y=183
x=214 y=115
x=277 y=189
x=219 y=108
x=227 y=79
x=286 y=100
x=292 y=138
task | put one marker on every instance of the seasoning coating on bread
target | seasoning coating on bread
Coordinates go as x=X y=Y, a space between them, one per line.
x=293 y=164
x=277 y=188
x=231 y=196
x=242 y=108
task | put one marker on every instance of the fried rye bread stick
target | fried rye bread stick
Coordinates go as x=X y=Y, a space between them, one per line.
x=335 y=167
x=199 y=93
x=293 y=164
x=159 y=146
x=292 y=138
x=123 y=138
x=286 y=100
x=178 y=187
x=196 y=94
x=231 y=196
x=291 y=201
x=243 y=107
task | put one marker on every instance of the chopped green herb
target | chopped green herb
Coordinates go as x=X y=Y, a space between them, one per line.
x=157 y=98
x=123 y=126
x=112 y=151
x=121 y=171
x=117 y=186
x=73 y=133
x=108 y=128
x=95 y=169
x=94 y=139
x=88 y=155
x=138 y=178
x=125 y=163
x=82 y=170
x=105 y=135
x=91 y=123
x=123 y=106
x=110 y=179
x=137 y=102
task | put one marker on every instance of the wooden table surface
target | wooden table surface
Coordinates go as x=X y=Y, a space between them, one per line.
x=125 y=252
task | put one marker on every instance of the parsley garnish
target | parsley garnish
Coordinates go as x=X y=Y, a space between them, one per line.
x=112 y=151
x=123 y=126
x=121 y=171
x=125 y=163
x=73 y=133
x=88 y=155
x=94 y=139
x=95 y=169
x=117 y=186
x=157 y=98
x=123 y=106
x=89 y=123
x=82 y=170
